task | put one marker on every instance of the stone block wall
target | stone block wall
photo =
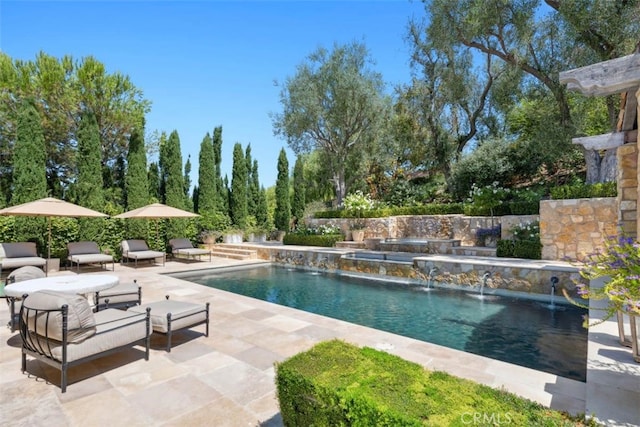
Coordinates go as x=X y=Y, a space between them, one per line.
x=458 y=227
x=627 y=157
x=573 y=228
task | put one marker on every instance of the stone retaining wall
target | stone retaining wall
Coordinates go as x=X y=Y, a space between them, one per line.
x=573 y=228
x=526 y=276
x=459 y=227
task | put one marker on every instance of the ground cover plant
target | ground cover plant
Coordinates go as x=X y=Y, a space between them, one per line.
x=336 y=383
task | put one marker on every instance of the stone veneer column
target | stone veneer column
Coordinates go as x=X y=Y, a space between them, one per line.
x=637 y=163
x=573 y=228
x=627 y=157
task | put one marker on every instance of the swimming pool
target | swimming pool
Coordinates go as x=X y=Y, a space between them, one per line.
x=522 y=332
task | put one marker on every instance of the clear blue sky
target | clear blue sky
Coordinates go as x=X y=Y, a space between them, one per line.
x=204 y=64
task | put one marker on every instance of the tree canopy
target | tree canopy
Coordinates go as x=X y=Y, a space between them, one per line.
x=334 y=103
x=61 y=89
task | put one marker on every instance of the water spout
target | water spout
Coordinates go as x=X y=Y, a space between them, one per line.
x=432 y=273
x=554 y=282
x=485 y=276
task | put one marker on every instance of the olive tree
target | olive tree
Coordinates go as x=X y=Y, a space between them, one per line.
x=335 y=104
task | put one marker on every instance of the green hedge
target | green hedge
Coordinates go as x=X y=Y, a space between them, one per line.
x=324 y=240
x=508 y=208
x=526 y=249
x=584 y=191
x=431 y=209
x=339 y=384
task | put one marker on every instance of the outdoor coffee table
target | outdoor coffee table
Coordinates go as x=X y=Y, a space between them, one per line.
x=81 y=284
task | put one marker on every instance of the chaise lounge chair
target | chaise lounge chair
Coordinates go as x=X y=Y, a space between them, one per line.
x=122 y=296
x=184 y=247
x=88 y=253
x=14 y=255
x=138 y=249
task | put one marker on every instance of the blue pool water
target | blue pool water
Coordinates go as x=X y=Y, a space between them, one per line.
x=518 y=331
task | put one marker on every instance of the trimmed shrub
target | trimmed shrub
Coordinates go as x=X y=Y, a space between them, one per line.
x=505 y=248
x=324 y=240
x=339 y=384
x=584 y=191
x=524 y=207
x=527 y=249
x=430 y=209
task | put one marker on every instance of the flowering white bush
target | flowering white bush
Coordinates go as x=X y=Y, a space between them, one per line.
x=526 y=231
x=489 y=196
x=357 y=203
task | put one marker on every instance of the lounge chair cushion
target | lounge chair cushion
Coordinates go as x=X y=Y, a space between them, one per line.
x=134 y=246
x=22 y=262
x=24 y=273
x=123 y=292
x=20 y=250
x=114 y=328
x=90 y=258
x=181 y=244
x=82 y=248
x=81 y=322
x=184 y=314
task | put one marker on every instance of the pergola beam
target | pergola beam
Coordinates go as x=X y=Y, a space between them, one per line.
x=600 y=142
x=605 y=78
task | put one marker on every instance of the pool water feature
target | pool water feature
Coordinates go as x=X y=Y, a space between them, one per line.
x=512 y=330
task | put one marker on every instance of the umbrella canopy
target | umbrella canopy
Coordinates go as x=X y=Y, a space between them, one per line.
x=157 y=210
x=49 y=207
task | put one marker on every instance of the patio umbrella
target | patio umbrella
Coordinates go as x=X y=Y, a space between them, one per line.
x=49 y=207
x=157 y=211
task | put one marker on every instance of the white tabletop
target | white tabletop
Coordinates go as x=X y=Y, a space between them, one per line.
x=80 y=284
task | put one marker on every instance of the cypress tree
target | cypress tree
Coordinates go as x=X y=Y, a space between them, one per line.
x=299 y=190
x=29 y=171
x=254 y=186
x=29 y=157
x=196 y=198
x=188 y=202
x=153 y=178
x=162 y=178
x=222 y=187
x=89 y=187
x=207 y=177
x=171 y=171
x=262 y=216
x=225 y=195
x=238 y=199
x=282 y=214
x=136 y=183
x=251 y=195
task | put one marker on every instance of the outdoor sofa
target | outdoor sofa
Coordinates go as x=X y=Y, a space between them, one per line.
x=185 y=247
x=61 y=330
x=15 y=255
x=138 y=250
x=88 y=253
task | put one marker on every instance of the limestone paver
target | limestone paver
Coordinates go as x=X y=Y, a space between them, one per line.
x=227 y=379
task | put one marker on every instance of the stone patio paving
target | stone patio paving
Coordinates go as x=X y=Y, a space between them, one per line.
x=227 y=379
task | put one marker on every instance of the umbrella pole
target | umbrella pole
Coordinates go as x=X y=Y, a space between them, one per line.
x=49 y=245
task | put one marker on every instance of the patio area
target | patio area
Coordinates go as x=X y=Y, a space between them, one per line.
x=227 y=379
